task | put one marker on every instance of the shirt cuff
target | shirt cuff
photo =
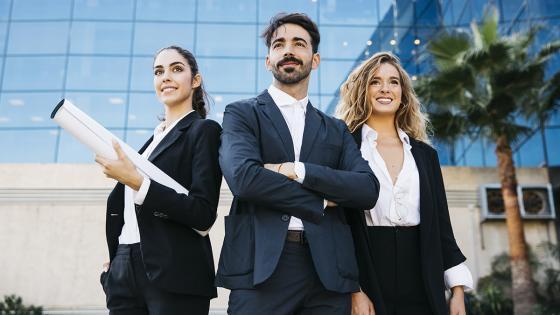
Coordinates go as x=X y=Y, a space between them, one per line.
x=458 y=275
x=140 y=195
x=299 y=169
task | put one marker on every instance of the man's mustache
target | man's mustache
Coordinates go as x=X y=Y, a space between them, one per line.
x=289 y=59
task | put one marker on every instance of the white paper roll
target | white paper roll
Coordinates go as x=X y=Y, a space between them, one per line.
x=93 y=135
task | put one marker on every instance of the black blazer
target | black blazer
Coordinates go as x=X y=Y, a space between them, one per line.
x=439 y=250
x=256 y=133
x=177 y=258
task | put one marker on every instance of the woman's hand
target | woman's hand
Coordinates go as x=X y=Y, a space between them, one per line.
x=121 y=169
x=457 y=301
x=361 y=305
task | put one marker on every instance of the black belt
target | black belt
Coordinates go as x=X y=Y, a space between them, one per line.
x=296 y=237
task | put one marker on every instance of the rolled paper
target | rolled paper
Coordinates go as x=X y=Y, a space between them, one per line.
x=97 y=138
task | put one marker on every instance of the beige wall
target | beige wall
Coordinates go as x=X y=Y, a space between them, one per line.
x=52 y=242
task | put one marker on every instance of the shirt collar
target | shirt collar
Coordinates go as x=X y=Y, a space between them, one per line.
x=368 y=132
x=282 y=98
x=160 y=128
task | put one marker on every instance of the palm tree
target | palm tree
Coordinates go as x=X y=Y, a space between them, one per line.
x=482 y=82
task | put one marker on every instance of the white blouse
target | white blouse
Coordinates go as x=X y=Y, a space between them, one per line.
x=399 y=204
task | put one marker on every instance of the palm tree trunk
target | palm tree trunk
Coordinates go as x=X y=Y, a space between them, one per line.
x=523 y=289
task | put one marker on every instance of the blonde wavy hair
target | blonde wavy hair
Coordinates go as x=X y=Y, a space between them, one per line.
x=355 y=105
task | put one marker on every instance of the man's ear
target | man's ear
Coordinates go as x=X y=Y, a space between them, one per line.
x=315 y=61
x=267 y=63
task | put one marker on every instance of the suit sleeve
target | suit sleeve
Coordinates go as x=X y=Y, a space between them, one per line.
x=242 y=164
x=352 y=186
x=198 y=209
x=452 y=255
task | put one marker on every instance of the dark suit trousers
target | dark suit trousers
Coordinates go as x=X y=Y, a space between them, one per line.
x=129 y=291
x=396 y=259
x=293 y=288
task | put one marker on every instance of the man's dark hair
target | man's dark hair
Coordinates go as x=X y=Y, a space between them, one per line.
x=300 y=19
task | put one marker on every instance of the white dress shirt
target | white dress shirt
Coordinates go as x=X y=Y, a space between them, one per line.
x=130 y=233
x=399 y=203
x=293 y=112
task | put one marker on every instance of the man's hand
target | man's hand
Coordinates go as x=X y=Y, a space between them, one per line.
x=457 y=301
x=121 y=169
x=361 y=304
x=106 y=266
x=287 y=169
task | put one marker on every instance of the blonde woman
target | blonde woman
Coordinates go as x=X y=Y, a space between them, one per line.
x=406 y=251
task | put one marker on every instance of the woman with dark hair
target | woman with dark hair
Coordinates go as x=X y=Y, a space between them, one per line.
x=159 y=264
x=406 y=252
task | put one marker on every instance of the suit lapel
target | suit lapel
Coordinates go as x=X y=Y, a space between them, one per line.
x=426 y=202
x=312 y=124
x=173 y=135
x=275 y=116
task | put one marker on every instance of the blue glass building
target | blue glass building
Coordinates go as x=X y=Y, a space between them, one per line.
x=98 y=54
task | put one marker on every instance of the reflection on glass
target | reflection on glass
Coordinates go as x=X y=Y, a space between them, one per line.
x=106 y=108
x=166 y=10
x=36 y=9
x=103 y=9
x=333 y=74
x=3 y=30
x=267 y=9
x=100 y=38
x=344 y=43
x=149 y=37
x=144 y=111
x=39 y=146
x=142 y=74
x=48 y=38
x=231 y=40
x=46 y=73
x=353 y=12
x=228 y=75
x=227 y=11
x=97 y=73
x=27 y=109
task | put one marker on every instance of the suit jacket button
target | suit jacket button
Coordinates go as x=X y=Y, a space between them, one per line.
x=285 y=217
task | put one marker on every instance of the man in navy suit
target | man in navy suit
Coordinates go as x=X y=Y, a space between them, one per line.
x=292 y=170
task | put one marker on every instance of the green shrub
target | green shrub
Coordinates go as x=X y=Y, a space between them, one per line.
x=13 y=305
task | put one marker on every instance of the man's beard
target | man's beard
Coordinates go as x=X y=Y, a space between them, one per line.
x=291 y=75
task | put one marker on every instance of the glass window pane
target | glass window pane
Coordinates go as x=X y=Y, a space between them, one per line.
x=344 y=42
x=103 y=9
x=544 y=8
x=490 y=157
x=228 y=75
x=39 y=10
x=225 y=40
x=227 y=11
x=149 y=37
x=100 y=38
x=27 y=109
x=46 y=73
x=39 y=146
x=73 y=151
x=333 y=74
x=328 y=104
x=142 y=74
x=5 y=9
x=221 y=100
x=356 y=12
x=48 y=38
x=145 y=110
x=136 y=138
x=166 y=10
x=474 y=153
x=106 y=108
x=97 y=73
x=3 y=33
x=267 y=9
x=427 y=13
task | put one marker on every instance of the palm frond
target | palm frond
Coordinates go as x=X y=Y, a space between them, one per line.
x=448 y=48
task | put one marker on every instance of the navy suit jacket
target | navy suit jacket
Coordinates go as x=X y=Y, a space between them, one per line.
x=255 y=133
x=175 y=257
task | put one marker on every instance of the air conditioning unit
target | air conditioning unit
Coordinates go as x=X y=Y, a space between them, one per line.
x=535 y=202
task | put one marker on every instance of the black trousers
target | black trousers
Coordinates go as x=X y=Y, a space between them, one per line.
x=293 y=288
x=397 y=263
x=129 y=291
